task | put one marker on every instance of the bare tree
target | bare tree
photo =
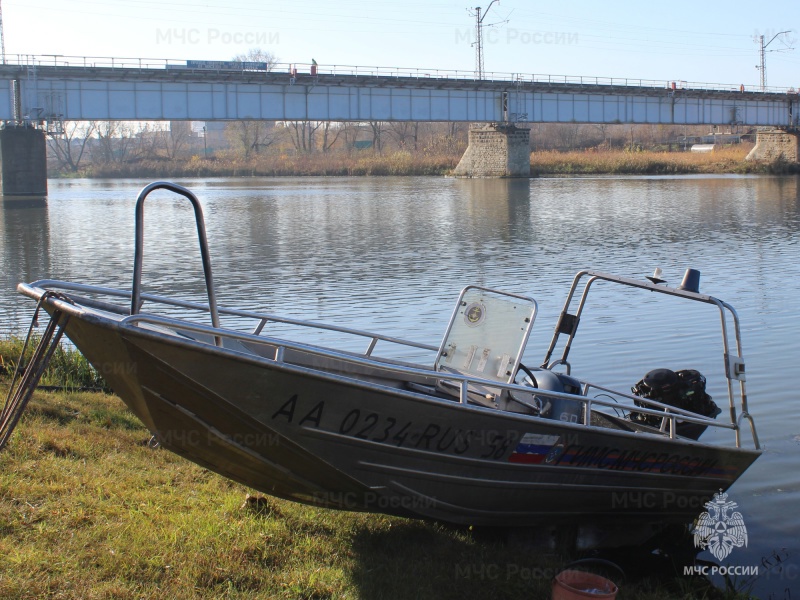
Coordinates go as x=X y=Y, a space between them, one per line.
x=602 y=129
x=258 y=56
x=405 y=134
x=304 y=135
x=377 y=128
x=350 y=134
x=115 y=141
x=330 y=133
x=175 y=138
x=69 y=147
x=445 y=138
x=148 y=142
x=251 y=136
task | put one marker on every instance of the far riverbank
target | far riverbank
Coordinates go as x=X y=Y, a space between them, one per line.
x=404 y=163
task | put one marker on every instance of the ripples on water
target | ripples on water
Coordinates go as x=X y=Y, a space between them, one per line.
x=391 y=255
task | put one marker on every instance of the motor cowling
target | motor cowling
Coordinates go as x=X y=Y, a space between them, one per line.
x=685 y=389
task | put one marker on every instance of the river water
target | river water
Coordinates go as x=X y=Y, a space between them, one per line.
x=391 y=254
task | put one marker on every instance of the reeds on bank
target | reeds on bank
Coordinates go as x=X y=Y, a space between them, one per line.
x=596 y=161
x=281 y=165
x=729 y=159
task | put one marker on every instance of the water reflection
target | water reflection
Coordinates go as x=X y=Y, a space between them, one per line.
x=25 y=230
x=498 y=206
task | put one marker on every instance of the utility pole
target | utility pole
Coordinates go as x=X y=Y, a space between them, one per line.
x=2 y=37
x=479 y=38
x=763 y=56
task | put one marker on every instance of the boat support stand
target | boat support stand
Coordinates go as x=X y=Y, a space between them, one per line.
x=22 y=388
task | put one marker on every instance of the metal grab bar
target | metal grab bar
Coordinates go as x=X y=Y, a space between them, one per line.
x=136 y=291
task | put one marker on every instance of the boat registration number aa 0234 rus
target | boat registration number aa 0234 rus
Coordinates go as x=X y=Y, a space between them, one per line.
x=401 y=433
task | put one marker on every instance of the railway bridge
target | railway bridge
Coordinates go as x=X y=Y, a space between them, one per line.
x=37 y=92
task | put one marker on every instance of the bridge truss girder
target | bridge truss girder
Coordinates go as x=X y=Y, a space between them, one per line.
x=73 y=94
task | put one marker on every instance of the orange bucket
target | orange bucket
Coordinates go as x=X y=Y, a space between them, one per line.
x=580 y=585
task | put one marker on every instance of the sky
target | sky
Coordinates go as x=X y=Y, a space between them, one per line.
x=705 y=42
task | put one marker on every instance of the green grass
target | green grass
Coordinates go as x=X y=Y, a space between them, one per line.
x=68 y=368
x=89 y=510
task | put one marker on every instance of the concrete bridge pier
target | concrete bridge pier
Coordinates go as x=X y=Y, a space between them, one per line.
x=23 y=163
x=777 y=144
x=496 y=150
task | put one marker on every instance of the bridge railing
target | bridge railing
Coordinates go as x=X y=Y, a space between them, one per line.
x=62 y=60
x=309 y=70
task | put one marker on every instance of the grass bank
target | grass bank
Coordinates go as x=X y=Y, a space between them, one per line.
x=88 y=510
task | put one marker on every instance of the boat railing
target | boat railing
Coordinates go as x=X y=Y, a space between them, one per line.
x=463 y=383
x=261 y=319
x=669 y=414
x=734 y=365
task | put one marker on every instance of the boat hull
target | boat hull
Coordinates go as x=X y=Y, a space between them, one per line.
x=327 y=439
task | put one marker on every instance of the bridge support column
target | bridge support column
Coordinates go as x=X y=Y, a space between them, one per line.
x=777 y=144
x=496 y=150
x=23 y=163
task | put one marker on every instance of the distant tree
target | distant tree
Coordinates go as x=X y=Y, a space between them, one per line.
x=304 y=135
x=148 y=141
x=330 y=133
x=69 y=147
x=258 y=55
x=445 y=138
x=250 y=137
x=602 y=129
x=176 y=138
x=377 y=128
x=350 y=133
x=568 y=135
x=405 y=134
x=116 y=141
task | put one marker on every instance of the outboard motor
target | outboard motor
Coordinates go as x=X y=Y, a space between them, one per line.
x=685 y=389
x=558 y=409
